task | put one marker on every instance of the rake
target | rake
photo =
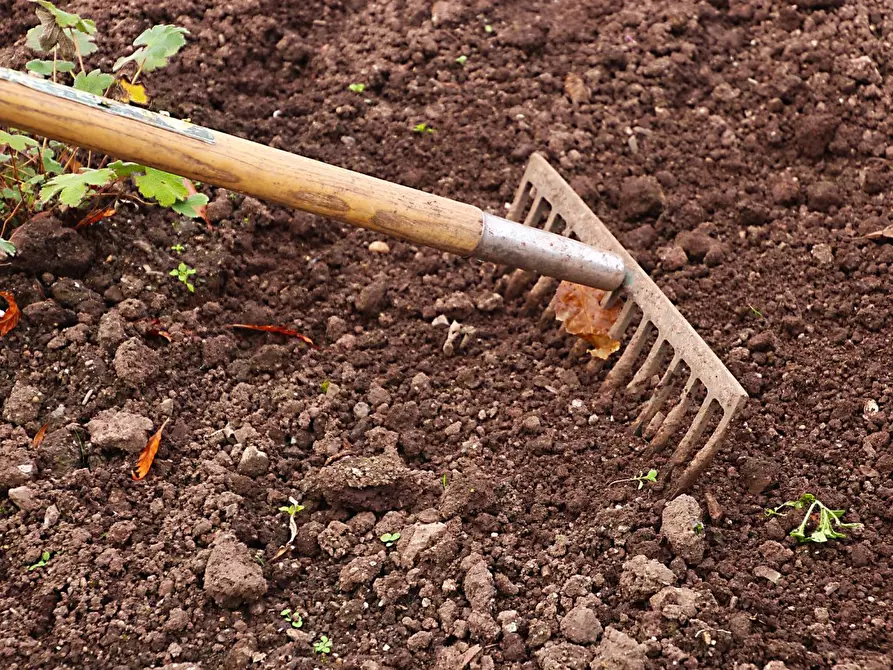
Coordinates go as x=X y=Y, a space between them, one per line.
x=560 y=239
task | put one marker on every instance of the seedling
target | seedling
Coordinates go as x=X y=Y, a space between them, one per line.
x=357 y=88
x=325 y=386
x=641 y=479
x=178 y=248
x=462 y=59
x=488 y=29
x=828 y=520
x=389 y=539
x=423 y=128
x=183 y=272
x=323 y=646
x=292 y=509
x=443 y=481
x=44 y=175
x=293 y=618
x=756 y=311
x=697 y=527
x=44 y=559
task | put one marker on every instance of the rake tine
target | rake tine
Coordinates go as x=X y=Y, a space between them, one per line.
x=686 y=446
x=659 y=397
x=674 y=418
x=702 y=459
x=649 y=367
x=624 y=364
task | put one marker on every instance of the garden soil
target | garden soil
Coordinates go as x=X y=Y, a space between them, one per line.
x=741 y=150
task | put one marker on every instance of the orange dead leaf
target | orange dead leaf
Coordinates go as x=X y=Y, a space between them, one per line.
x=10 y=317
x=579 y=307
x=275 y=329
x=202 y=210
x=94 y=216
x=156 y=330
x=38 y=438
x=135 y=93
x=147 y=455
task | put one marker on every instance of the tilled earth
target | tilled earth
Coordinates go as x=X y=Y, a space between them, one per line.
x=741 y=149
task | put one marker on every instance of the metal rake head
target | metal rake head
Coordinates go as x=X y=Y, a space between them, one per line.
x=686 y=368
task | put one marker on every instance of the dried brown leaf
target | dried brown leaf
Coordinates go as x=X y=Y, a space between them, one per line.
x=282 y=330
x=579 y=308
x=94 y=216
x=202 y=210
x=576 y=89
x=147 y=455
x=883 y=234
x=10 y=317
x=38 y=437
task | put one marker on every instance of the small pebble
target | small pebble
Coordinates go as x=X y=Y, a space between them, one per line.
x=379 y=247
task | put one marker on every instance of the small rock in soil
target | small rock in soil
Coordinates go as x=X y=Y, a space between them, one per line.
x=489 y=303
x=455 y=306
x=680 y=604
x=379 y=247
x=24 y=498
x=111 y=330
x=672 y=257
x=51 y=517
x=641 y=197
x=232 y=576
x=49 y=314
x=337 y=540
x=765 y=572
x=775 y=552
x=581 y=625
x=823 y=195
x=563 y=656
x=254 y=463
x=758 y=474
x=23 y=404
x=360 y=571
x=681 y=525
x=120 y=532
x=118 y=430
x=479 y=588
x=372 y=483
x=696 y=244
x=415 y=539
x=786 y=192
x=619 y=651
x=642 y=577
x=714 y=509
x=371 y=299
x=823 y=253
x=16 y=467
x=44 y=245
x=135 y=363
x=60 y=451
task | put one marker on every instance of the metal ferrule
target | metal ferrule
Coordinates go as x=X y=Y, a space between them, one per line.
x=521 y=246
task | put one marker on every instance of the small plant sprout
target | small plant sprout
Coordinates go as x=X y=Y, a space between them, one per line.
x=292 y=617
x=389 y=539
x=443 y=481
x=488 y=29
x=44 y=559
x=828 y=520
x=423 y=128
x=754 y=310
x=323 y=646
x=697 y=527
x=357 y=88
x=292 y=509
x=178 y=248
x=183 y=272
x=325 y=385
x=462 y=60
x=641 y=479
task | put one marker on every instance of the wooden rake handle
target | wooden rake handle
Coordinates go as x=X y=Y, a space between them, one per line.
x=130 y=133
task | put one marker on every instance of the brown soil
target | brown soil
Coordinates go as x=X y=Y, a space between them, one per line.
x=764 y=127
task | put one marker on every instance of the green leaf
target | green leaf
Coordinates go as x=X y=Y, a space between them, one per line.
x=164 y=187
x=85 y=44
x=285 y=612
x=50 y=164
x=32 y=39
x=462 y=60
x=72 y=189
x=63 y=19
x=158 y=44
x=45 y=67
x=16 y=142
x=189 y=206
x=357 y=88
x=7 y=247
x=125 y=169
x=96 y=82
